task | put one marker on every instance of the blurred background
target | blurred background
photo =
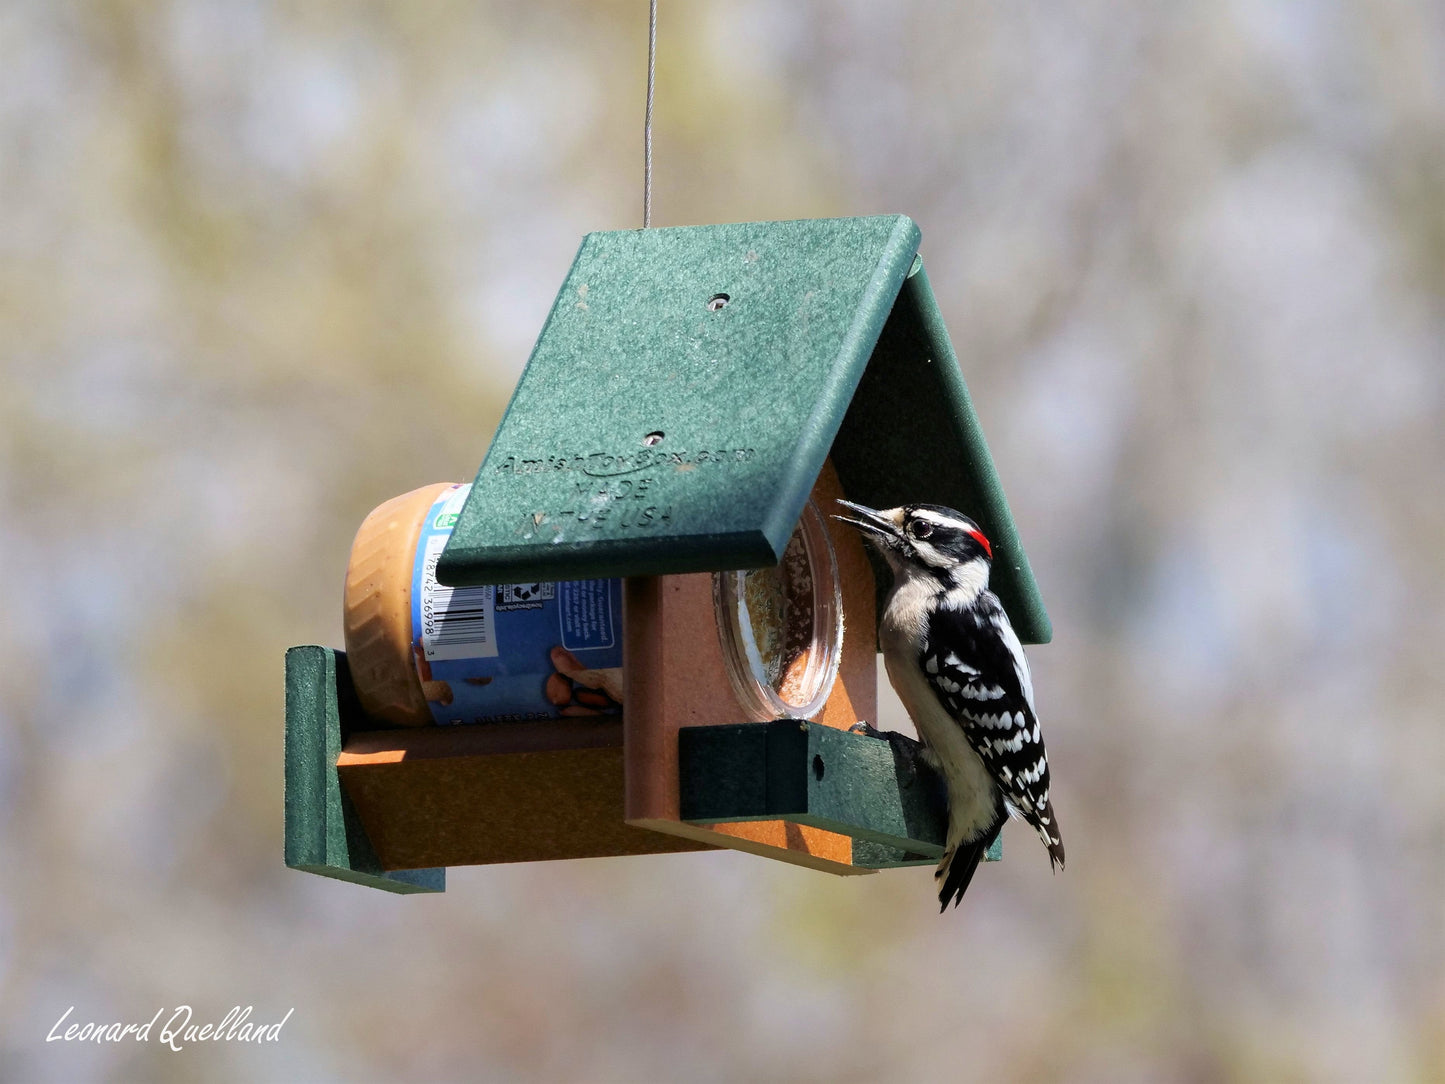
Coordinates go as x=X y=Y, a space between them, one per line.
x=265 y=265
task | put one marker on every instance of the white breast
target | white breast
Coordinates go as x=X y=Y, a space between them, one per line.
x=970 y=787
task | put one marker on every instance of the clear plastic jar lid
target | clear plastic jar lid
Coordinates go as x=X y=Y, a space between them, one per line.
x=782 y=627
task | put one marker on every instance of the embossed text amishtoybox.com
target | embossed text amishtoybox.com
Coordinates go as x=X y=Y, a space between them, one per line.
x=608 y=465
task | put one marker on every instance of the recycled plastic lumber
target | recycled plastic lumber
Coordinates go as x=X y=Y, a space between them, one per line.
x=324 y=835
x=689 y=383
x=677 y=679
x=496 y=792
x=817 y=776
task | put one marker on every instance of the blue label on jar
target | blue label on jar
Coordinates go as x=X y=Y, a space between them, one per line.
x=588 y=615
x=514 y=651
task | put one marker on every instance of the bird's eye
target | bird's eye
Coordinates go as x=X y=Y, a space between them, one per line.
x=920 y=529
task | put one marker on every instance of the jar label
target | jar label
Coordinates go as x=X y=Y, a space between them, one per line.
x=513 y=651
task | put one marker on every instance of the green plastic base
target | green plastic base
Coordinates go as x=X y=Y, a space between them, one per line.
x=815 y=775
x=323 y=833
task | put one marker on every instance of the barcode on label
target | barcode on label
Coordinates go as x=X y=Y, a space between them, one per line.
x=456 y=622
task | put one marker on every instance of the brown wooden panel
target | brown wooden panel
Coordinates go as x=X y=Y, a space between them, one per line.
x=535 y=736
x=676 y=678
x=516 y=792
x=856 y=695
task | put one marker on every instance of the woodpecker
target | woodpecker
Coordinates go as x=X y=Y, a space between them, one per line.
x=960 y=671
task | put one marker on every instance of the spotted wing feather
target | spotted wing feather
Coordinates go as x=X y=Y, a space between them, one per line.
x=976 y=668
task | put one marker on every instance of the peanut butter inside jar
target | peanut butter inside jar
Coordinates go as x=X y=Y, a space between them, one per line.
x=376 y=620
x=781 y=628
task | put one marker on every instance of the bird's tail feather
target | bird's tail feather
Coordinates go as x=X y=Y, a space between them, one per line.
x=1056 y=855
x=956 y=870
x=1048 y=828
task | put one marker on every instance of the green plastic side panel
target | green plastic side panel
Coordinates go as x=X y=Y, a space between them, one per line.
x=911 y=436
x=816 y=775
x=747 y=396
x=323 y=833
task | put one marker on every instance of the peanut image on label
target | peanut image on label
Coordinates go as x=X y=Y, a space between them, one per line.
x=608 y=681
x=559 y=690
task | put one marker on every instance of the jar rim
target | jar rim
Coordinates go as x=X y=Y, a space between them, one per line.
x=759 y=694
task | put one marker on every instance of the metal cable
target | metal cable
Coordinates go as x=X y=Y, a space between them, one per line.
x=647 y=125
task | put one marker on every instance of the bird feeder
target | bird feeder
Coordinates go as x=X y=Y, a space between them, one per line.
x=697 y=400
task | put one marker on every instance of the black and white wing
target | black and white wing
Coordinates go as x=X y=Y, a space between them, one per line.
x=976 y=667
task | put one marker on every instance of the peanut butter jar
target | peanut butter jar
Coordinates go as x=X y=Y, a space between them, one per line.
x=423 y=653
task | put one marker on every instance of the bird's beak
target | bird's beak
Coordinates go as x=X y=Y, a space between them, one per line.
x=869 y=520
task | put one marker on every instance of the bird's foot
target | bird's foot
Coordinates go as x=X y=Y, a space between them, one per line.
x=906 y=751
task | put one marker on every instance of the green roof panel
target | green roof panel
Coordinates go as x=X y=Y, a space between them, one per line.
x=681 y=400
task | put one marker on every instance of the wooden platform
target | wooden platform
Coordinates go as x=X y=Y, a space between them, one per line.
x=504 y=792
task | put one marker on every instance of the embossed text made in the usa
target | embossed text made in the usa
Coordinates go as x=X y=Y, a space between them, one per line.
x=623 y=514
x=600 y=503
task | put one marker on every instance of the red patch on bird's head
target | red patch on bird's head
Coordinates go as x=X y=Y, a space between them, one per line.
x=982 y=541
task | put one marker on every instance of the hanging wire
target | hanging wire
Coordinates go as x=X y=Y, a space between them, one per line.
x=647 y=125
